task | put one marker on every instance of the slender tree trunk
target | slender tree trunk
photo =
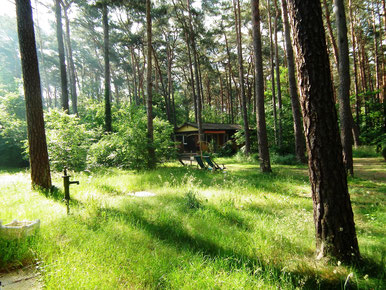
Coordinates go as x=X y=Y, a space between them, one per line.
x=196 y=72
x=277 y=68
x=135 y=69
x=333 y=216
x=265 y=163
x=330 y=33
x=300 y=142
x=151 y=150
x=45 y=76
x=354 y=49
x=62 y=64
x=271 y=55
x=164 y=91
x=192 y=77
x=376 y=56
x=236 y=6
x=230 y=97
x=72 y=74
x=108 y=126
x=344 y=86
x=38 y=155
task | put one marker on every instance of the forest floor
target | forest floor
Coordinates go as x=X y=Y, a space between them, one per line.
x=192 y=229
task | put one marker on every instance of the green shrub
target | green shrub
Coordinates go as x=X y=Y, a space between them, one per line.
x=289 y=159
x=365 y=151
x=128 y=147
x=68 y=140
x=13 y=130
x=227 y=149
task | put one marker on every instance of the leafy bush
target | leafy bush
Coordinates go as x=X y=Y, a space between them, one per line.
x=365 y=151
x=13 y=130
x=227 y=149
x=128 y=147
x=289 y=159
x=68 y=140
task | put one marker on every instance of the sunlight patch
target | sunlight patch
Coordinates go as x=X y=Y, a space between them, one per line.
x=141 y=194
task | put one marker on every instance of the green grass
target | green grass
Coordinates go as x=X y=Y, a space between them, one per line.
x=366 y=151
x=233 y=229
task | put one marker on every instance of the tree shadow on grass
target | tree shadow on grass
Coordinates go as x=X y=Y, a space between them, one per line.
x=56 y=194
x=173 y=233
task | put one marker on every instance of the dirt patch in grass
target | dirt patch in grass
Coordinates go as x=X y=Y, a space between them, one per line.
x=25 y=278
x=370 y=168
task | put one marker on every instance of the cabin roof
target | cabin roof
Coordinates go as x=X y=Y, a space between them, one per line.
x=211 y=126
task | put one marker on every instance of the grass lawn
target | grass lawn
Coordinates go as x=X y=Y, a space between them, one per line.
x=233 y=229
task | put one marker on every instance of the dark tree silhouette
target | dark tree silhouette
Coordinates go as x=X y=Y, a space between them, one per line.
x=346 y=120
x=62 y=64
x=108 y=125
x=149 y=80
x=265 y=164
x=300 y=143
x=40 y=167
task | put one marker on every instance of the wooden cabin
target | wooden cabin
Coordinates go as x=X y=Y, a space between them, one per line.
x=214 y=134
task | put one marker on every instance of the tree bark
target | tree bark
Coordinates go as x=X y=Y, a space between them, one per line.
x=273 y=85
x=344 y=87
x=300 y=142
x=108 y=125
x=333 y=216
x=230 y=95
x=38 y=155
x=151 y=150
x=265 y=163
x=236 y=5
x=196 y=73
x=74 y=96
x=277 y=68
x=62 y=64
x=354 y=49
x=330 y=33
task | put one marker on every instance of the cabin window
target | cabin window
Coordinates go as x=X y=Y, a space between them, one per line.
x=184 y=140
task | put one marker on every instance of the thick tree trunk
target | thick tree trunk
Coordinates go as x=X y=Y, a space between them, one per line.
x=300 y=142
x=72 y=74
x=333 y=216
x=108 y=125
x=236 y=5
x=38 y=155
x=62 y=64
x=265 y=163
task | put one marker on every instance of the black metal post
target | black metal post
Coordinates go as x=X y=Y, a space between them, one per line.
x=66 y=184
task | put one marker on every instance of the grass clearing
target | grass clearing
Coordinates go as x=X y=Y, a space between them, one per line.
x=233 y=229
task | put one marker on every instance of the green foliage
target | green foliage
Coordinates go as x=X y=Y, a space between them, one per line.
x=68 y=140
x=372 y=120
x=13 y=130
x=365 y=151
x=128 y=146
x=227 y=149
x=240 y=140
x=92 y=113
x=289 y=159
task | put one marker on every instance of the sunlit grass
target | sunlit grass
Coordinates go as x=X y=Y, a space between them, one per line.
x=234 y=229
